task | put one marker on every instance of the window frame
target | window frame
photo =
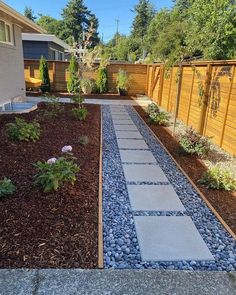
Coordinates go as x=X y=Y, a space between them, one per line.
x=10 y=25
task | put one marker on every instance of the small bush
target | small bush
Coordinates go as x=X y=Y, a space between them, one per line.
x=84 y=140
x=73 y=80
x=21 y=130
x=102 y=80
x=152 y=108
x=54 y=107
x=78 y=99
x=193 y=143
x=87 y=85
x=44 y=75
x=80 y=113
x=55 y=172
x=217 y=178
x=160 y=118
x=122 y=81
x=6 y=187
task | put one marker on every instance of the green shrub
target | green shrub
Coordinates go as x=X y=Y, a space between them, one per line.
x=152 y=108
x=217 y=178
x=21 y=130
x=122 y=81
x=55 y=172
x=102 y=80
x=73 y=80
x=193 y=143
x=6 y=187
x=160 y=118
x=87 y=85
x=80 y=113
x=78 y=99
x=54 y=107
x=84 y=140
x=44 y=75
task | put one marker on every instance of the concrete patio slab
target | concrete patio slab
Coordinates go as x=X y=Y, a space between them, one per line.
x=128 y=134
x=123 y=122
x=170 y=238
x=121 y=116
x=125 y=128
x=132 y=144
x=154 y=198
x=131 y=156
x=142 y=172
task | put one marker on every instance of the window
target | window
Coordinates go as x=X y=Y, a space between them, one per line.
x=60 y=56
x=5 y=32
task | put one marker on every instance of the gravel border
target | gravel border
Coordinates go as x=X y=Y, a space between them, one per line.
x=121 y=249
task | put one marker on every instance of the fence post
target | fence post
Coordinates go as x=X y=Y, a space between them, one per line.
x=180 y=76
x=205 y=101
x=162 y=72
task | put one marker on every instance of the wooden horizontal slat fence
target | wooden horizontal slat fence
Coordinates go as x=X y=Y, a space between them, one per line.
x=207 y=92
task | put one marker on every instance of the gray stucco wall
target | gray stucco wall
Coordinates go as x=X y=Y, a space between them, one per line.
x=35 y=49
x=12 y=82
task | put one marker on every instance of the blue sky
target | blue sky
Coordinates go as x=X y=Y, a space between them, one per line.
x=107 y=11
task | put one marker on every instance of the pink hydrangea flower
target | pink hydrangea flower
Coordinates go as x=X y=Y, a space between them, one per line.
x=51 y=161
x=66 y=149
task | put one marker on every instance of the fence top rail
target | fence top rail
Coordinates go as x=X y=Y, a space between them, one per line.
x=201 y=62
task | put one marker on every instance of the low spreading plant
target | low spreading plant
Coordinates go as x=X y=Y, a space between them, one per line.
x=152 y=108
x=6 y=187
x=84 y=140
x=160 y=118
x=192 y=143
x=54 y=107
x=57 y=171
x=218 y=178
x=80 y=113
x=23 y=131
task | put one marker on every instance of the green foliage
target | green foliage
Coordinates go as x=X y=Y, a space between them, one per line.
x=78 y=99
x=193 y=143
x=73 y=80
x=122 y=80
x=87 y=85
x=23 y=131
x=152 y=108
x=28 y=12
x=44 y=75
x=6 y=187
x=220 y=179
x=54 y=107
x=84 y=140
x=160 y=118
x=52 y=26
x=102 y=80
x=52 y=176
x=80 y=113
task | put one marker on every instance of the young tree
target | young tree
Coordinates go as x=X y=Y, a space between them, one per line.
x=44 y=75
x=73 y=81
x=51 y=25
x=28 y=12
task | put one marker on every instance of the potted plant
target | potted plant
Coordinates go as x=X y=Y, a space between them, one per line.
x=122 y=81
x=86 y=85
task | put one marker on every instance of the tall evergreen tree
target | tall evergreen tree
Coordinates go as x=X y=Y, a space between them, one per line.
x=28 y=12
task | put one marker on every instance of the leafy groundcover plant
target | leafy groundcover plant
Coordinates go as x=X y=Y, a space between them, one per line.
x=193 y=143
x=217 y=178
x=56 y=171
x=6 y=187
x=152 y=108
x=80 y=113
x=21 y=130
x=160 y=118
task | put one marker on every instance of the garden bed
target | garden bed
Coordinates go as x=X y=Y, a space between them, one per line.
x=224 y=202
x=59 y=229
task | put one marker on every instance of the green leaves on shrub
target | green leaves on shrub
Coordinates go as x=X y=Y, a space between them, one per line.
x=6 y=187
x=152 y=108
x=160 y=118
x=217 y=178
x=54 y=107
x=21 y=130
x=84 y=140
x=102 y=80
x=52 y=174
x=193 y=143
x=73 y=80
x=44 y=75
x=80 y=113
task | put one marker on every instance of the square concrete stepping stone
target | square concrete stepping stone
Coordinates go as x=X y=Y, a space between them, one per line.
x=121 y=117
x=128 y=134
x=170 y=238
x=142 y=172
x=154 y=198
x=125 y=128
x=131 y=156
x=132 y=144
x=123 y=121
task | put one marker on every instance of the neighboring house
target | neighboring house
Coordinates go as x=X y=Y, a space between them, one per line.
x=12 y=24
x=49 y=46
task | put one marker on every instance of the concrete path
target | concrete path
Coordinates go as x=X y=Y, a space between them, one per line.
x=161 y=238
x=115 y=282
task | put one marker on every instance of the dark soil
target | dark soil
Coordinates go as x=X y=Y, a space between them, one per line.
x=59 y=229
x=224 y=202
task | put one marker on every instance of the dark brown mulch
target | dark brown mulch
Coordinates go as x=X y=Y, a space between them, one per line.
x=224 y=202
x=59 y=229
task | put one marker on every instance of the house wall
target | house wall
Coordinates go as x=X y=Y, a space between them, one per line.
x=12 y=83
x=35 y=49
x=54 y=46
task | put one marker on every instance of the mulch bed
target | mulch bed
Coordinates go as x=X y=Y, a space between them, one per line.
x=224 y=202
x=59 y=229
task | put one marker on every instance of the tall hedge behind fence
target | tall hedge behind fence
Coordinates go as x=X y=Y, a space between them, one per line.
x=207 y=93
